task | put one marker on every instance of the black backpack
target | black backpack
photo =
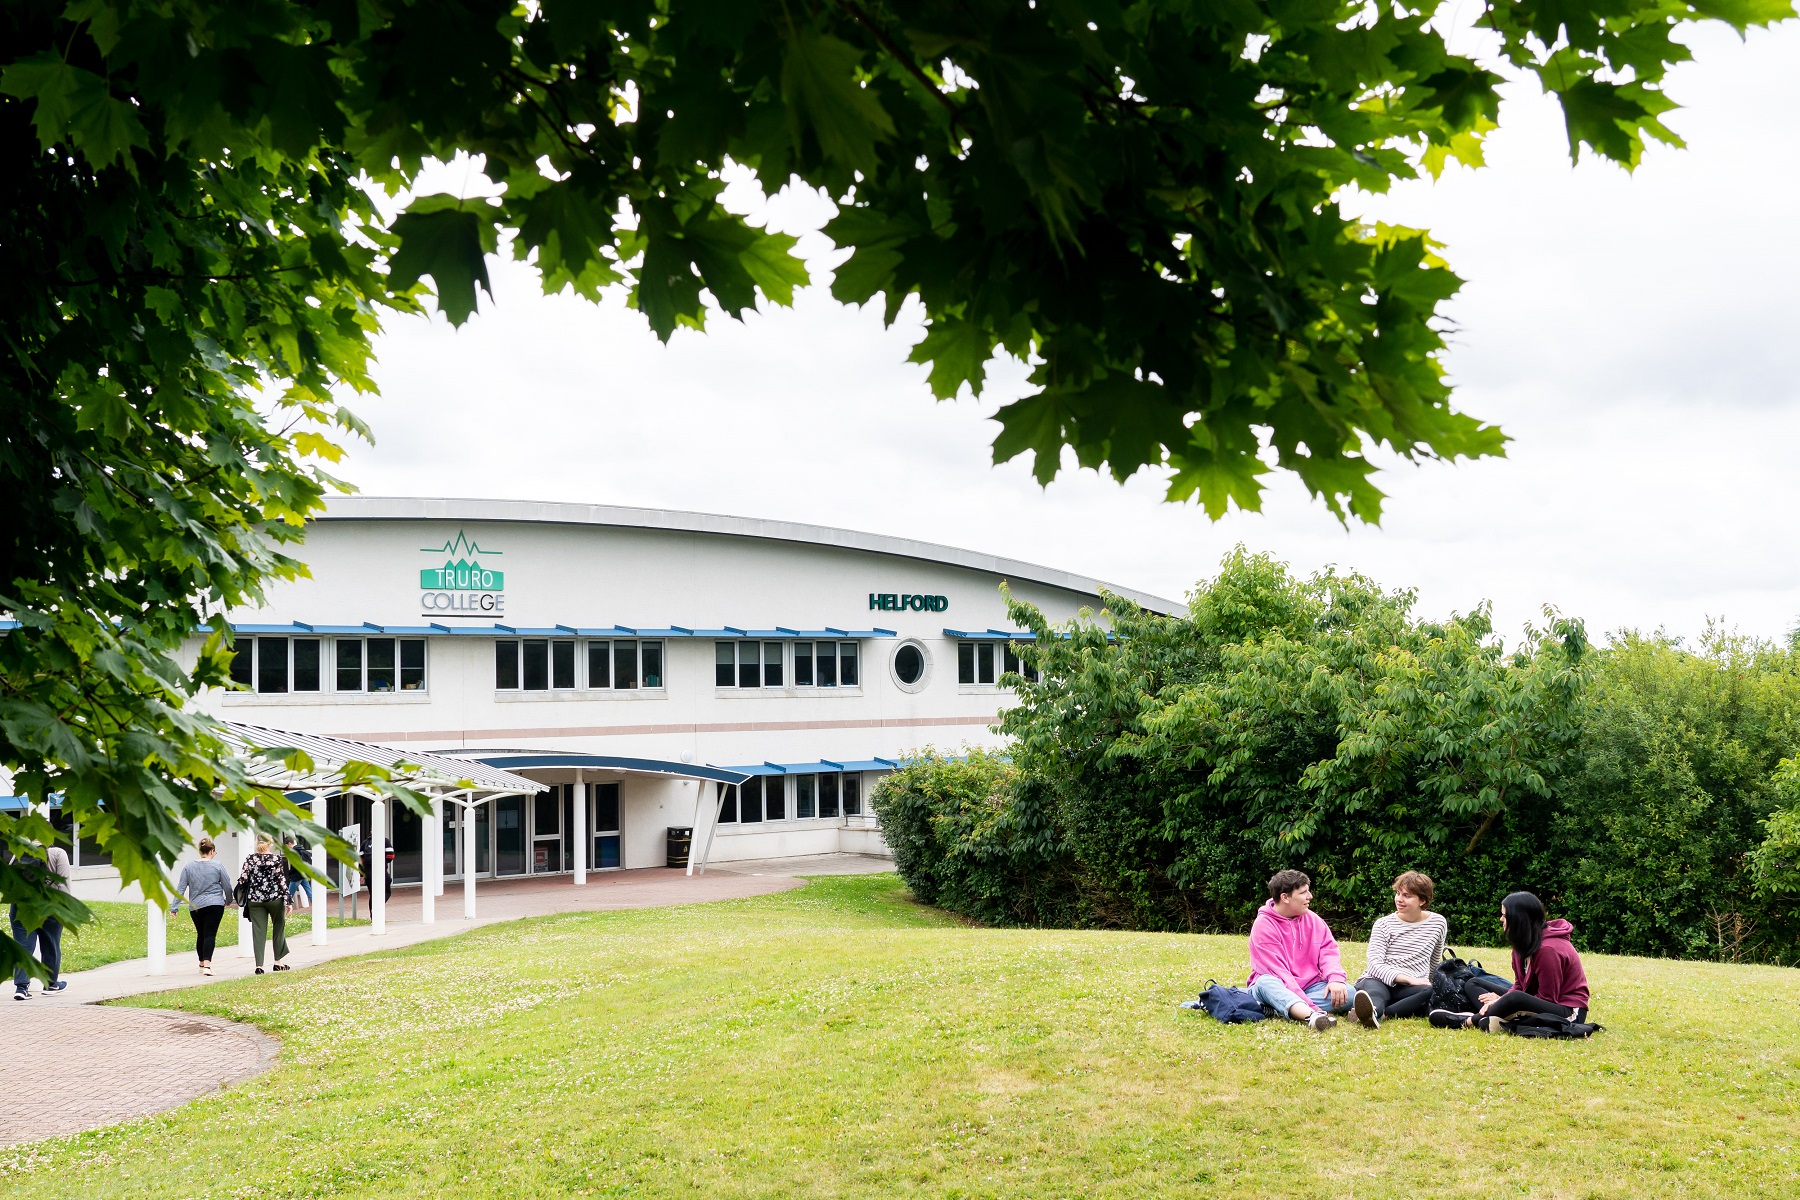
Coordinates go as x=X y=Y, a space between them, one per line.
x=1451 y=982
x=1543 y=1025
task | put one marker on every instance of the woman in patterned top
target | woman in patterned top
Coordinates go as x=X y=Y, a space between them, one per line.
x=1404 y=946
x=264 y=878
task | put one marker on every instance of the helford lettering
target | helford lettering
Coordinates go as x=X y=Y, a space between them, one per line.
x=901 y=602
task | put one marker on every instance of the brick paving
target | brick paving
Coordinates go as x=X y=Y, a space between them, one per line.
x=67 y=1065
x=66 y=1069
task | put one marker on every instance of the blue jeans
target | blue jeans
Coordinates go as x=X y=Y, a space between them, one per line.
x=47 y=942
x=1276 y=997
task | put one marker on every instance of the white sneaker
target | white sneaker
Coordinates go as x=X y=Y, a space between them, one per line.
x=1321 y=1022
x=1364 y=1008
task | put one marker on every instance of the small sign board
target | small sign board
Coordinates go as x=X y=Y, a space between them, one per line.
x=350 y=879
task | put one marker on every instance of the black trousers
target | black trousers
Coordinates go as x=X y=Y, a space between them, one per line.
x=1396 y=1000
x=1513 y=1002
x=206 y=929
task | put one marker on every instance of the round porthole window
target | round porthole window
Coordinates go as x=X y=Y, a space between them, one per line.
x=911 y=666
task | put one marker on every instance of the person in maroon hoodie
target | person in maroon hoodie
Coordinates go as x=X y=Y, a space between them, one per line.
x=1544 y=962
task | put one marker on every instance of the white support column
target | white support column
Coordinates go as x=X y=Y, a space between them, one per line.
x=377 y=865
x=706 y=813
x=580 y=835
x=320 y=914
x=431 y=851
x=437 y=849
x=157 y=936
x=243 y=841
x=468 y=827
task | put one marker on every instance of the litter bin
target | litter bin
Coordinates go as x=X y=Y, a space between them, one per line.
x=681 y=840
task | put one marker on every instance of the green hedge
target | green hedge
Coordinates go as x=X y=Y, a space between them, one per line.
x=1161 y=768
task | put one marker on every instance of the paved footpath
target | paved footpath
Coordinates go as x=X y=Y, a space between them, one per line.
x=67 y=1065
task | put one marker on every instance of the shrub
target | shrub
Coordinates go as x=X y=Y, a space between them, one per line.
x=1162 y=768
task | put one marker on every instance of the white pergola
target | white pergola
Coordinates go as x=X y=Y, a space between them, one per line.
x=322 y=773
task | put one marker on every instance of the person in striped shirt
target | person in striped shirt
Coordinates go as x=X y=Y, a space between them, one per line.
x=1404 y=947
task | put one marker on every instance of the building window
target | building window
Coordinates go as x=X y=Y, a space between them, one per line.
x=350 y=664
x=975 y=662
x=728 y=803
x=625 y=666
x=911 y=666
x=775 y=797
x=805 y=796
x=748 y=664
x=750 y=800
x=828 y=795
x=1013 y=666
x=547 y=664
x=534 y=657
x=277 y=664
x=852 y=795
x=380 y=664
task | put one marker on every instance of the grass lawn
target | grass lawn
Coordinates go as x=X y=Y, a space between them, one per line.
x=841 y=1041
x=118 y=931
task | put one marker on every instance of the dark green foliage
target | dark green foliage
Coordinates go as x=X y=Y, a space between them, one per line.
x=1168 y=766
x=1677 y=778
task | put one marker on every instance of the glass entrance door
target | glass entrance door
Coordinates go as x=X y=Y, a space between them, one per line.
x=604 y=809
x=547 y=829
x=509 y=835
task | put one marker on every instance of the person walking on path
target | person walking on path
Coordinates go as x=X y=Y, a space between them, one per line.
x=264 y=880
x=299 y=886
x=46 y=939
x=1404 y=947
x=206 y=886
x=1295 y=968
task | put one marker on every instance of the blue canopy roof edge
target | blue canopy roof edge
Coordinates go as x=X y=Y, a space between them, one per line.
x=810 y=768
x=434 y=629
x=525 y=760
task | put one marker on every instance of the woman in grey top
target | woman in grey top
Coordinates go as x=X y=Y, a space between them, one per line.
x=1404 y=948
x=207 y=887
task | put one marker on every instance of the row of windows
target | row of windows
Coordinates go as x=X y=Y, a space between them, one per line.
x=770 y=798
x=298 y=664
x=385 y=664
x=975 y=663
x=744 y=664
x=551 y=664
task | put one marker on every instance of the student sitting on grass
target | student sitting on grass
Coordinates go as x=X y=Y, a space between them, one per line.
x=1404 y=946
x=1294 y=965
x=1549 y=974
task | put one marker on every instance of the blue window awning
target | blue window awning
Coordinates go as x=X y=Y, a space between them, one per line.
x=822 y=765
x=435 y=629
x=991 y=635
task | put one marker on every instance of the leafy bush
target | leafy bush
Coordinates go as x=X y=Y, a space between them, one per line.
x=1163 y=767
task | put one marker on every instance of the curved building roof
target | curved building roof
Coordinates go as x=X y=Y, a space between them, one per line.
x=411 y=508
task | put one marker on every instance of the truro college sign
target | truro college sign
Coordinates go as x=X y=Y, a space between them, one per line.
x=464 y=586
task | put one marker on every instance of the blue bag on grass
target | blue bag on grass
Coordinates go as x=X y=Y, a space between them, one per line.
x=1229 y=1005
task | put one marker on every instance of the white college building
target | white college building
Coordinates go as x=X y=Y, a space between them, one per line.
x=747 y=679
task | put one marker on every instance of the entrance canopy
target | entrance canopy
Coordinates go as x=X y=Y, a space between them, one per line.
x=501 y=761
x=433 y=774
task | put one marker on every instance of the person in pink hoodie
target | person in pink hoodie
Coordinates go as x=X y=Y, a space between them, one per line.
x=1294 y=963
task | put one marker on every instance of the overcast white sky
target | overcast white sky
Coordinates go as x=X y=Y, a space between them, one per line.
x=1634 y=334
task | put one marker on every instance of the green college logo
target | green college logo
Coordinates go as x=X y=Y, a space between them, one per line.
x=462 y=570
